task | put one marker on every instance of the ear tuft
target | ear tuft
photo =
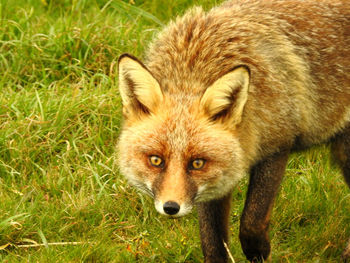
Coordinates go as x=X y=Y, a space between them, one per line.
x=139 y=90
x=226 y=97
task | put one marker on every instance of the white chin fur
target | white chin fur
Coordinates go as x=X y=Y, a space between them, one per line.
x=185 y=209
x=206 y=192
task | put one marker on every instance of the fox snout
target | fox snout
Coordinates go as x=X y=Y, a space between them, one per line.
x=173 y=208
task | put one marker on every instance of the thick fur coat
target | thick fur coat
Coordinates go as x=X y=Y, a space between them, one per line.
x=234 y=91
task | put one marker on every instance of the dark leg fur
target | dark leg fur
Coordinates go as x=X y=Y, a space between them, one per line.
x=265 y=178
x=341 y=153
x=213 y=223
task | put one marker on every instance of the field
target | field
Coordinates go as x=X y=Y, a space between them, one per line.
x=62 y=197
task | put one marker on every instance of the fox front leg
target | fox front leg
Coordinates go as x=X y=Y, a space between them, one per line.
x=213 y=224
x=265 y=178
x=341 y=153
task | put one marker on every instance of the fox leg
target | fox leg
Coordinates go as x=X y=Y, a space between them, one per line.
x=213 y=224
x=265 y=178
x=341 y=153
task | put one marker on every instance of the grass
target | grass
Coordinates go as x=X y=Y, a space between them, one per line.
x=62 y=198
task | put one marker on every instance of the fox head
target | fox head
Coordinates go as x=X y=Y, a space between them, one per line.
x=180 y=148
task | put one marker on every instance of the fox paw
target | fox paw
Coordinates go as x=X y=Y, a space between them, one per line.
x=256 y=249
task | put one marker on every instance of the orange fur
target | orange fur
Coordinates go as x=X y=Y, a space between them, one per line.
x=233 y=86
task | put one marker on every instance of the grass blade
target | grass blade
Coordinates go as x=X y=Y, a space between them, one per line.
x=137 y=11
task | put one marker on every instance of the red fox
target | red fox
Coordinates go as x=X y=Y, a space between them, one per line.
x=233 y=91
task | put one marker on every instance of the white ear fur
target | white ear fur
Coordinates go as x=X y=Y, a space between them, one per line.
x=137 y=85
x=227 y=95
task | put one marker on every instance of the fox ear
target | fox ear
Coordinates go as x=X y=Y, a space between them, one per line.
x=226 y=97
x=139 y=90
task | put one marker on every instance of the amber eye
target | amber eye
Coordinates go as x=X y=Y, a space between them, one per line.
x=197 y=164
x=156 y=161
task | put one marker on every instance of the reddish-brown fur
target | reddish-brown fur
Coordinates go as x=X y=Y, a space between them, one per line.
x=240 y=87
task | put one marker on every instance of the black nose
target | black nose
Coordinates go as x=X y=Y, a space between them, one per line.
x=171 y=208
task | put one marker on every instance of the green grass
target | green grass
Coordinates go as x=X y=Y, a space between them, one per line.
x=59 y=124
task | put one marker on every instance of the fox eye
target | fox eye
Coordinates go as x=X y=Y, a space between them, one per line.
x=197 y=164
x=156 y=161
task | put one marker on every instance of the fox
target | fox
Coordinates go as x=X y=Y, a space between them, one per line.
x=230 y=92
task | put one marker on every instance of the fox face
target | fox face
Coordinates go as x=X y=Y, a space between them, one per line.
x=180 y=148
